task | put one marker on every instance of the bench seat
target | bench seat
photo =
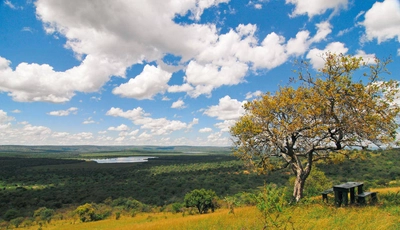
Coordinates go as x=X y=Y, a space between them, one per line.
x=325 y=194
x=362 y=196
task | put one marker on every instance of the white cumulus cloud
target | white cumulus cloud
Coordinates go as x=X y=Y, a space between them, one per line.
x=146 y=85
x=67 y=112
x=316 y=55
x=122 y=127
x=156 y=126
x=382 y=21
x=179 y=104
x=227 y=109
x=315 y=7
x=205 y=130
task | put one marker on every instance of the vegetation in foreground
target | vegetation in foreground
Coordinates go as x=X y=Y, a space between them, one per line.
x=310 y=214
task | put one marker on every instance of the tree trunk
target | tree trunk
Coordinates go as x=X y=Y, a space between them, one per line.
x=299 y=185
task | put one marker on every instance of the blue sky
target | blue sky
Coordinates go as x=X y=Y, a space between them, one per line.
x=171 y=72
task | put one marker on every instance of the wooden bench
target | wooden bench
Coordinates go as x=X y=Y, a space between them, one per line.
x=362 y=197
x=325 y=194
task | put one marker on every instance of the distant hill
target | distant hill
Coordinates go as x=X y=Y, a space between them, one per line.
x=94 y=148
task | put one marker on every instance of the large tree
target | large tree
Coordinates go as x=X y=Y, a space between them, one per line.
x=326 y=115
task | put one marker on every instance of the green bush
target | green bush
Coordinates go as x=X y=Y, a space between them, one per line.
x=17 y=221
x=176 y=207
x=44 y=213
x=92 y=212
x=127 y=204
x=10 y=214
x=202 y=199
x=271 y=202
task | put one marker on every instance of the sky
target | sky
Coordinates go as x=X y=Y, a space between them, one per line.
x=170 y=72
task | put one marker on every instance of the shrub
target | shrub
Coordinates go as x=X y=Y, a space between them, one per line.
x=271 y=202
x=91 y=212
x=117 y=215
x=17 y=221
x=177 y=207
x=202 y=199
x=86 y=212
x=10 y=214
x=127 y=204
x=44 y=213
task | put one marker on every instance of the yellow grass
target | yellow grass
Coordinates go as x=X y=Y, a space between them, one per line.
x=386 y=190
x=305 y=217
x=314 y=216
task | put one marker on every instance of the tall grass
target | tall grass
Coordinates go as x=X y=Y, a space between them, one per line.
x=312 y=216
x=306 y=215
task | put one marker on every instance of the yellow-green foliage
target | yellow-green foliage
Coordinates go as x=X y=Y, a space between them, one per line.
x=194 y=167
x=317 y=216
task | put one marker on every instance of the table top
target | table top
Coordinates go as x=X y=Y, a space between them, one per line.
x=348 y=185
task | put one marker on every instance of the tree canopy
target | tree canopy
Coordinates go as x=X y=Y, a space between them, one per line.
x=328 y=114
x=202 y=199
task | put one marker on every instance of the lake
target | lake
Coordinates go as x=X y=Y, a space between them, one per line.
x=122 y=160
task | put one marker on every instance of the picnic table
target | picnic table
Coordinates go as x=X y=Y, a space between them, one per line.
x=342 y=192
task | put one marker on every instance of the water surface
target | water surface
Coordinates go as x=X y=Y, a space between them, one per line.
x=121 y=160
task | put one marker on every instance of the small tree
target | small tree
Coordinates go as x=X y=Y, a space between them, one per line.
x=271 y=203
x=86 y=212
x=325 y=116
x=44 y=213
x=202 y=199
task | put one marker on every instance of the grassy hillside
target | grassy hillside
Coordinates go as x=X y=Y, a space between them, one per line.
x=385 y=216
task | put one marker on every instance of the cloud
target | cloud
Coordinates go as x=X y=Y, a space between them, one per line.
x=60 y=113
x=4 y=117
x=316 y=55
x=324 y=29
x=88 y=121
x=315 y=7
x=11 y=5
x=180 y=88
x=134 y=132
x=382 y=21
x=122 y=127
x=134 y=114
x=16 y=111
x=146 y=85
x=179 y=104
x=95 y=98
x=226 y=125
x=250 y=95
x=205 y=130
x=227 y=109
x=107 y=44
x=34 y=82
x=227 y=61
x=299 y=45
x=257 y=4
x=27 y=29
x=368 y=58
x=159 y=126
x=218 y=139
